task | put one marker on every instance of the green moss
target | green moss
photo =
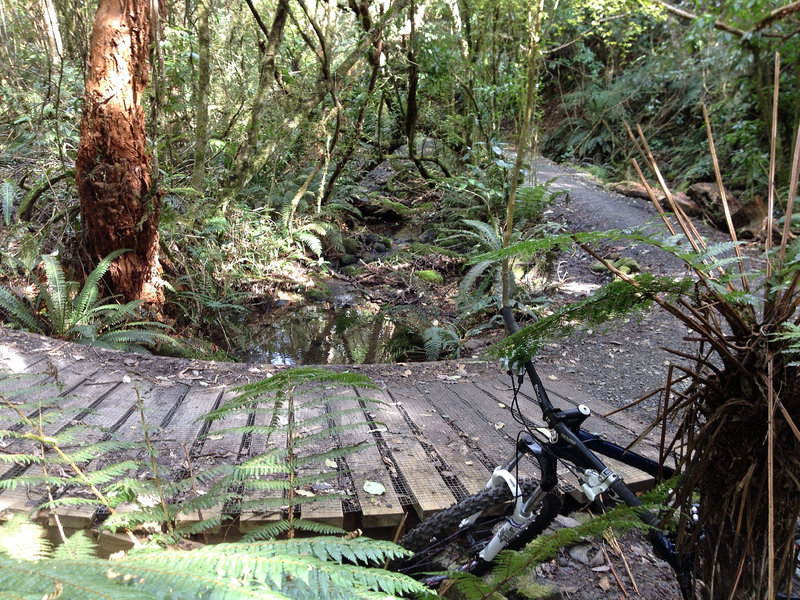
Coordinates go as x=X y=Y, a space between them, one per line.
x=350 y=246
x=423 y=249
x=352 y=270
x=318 y=291
x=387 y=242
x=429 y=276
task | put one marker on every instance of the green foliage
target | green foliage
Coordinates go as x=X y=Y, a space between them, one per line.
x=335 y=568
x=60 y=309
x=8 y=196
x=300 y=405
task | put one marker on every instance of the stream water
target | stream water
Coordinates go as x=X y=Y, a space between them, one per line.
x=347 y=329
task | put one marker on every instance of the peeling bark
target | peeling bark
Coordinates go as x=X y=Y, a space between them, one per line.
x=112 y=170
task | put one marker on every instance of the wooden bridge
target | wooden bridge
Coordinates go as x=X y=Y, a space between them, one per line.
x=441 y=429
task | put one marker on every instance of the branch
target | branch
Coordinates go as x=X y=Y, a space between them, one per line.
x=777 y=14
x=683 y=14
x=257 y=17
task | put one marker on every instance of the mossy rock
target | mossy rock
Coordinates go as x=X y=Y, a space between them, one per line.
x=352 y=271
x=529 y=589
x=386 y=241
x=318 y=291
x=627 y=265
x=348 y=259
x=423 y=249
x=430 y=276
x=350 y=246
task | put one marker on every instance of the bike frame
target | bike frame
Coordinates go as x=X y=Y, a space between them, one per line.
x=567 y=441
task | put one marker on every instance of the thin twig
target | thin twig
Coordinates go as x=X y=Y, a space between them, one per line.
x=724 y=197
x=614 y=571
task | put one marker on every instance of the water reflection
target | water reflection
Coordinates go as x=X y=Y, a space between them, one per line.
x=328 y=333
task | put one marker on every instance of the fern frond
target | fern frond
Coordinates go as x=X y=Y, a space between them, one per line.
x=22 y=539
x=488 y=233
x=79 y=545
x=8 y=195
x=88 y=295
x=310 y=241
x=55 y=293
x=20 y=312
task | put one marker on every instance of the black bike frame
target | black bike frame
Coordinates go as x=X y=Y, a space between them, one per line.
x=577 y=447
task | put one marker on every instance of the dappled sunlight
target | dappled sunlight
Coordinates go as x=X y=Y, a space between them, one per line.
x=13 y=360
x=579 y=288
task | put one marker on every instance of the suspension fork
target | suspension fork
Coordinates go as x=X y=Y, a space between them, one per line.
x=524 y=508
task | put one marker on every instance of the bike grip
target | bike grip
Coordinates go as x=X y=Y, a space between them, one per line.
x=508 y=317
x=628 y=497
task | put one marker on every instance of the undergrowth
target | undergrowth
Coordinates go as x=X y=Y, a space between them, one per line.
x=298 y=417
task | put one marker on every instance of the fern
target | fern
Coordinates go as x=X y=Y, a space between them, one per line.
x=79 y=315
x=326 y=567
x=8 y=195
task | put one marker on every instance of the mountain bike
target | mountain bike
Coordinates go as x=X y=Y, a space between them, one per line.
x=510 y=512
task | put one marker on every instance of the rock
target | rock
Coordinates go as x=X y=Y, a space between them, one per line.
x=430 y=276
x=348 y=259
x=318 y=292
x=580 y=553
x=708 y=198
x=428 y=236
x=597 y=559
x=350 y=246
x=473 y=344
x=564 y=521
x=527 y=588
x=387 y=241
x=379 y=247
x=351 y=270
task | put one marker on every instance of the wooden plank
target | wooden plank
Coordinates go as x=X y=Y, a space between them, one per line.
x=213 y=448
x=368 y=465
x=476 y=416
x=431 y=425
x=253 y=518
x=114 y=410
x=427 y=489
x=323 y=510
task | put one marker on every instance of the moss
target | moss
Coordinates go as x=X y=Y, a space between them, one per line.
x=352 y=271
x=387 y=242
x=423 y=249
x=318 y=291
x=429 y=276
x=350 y=246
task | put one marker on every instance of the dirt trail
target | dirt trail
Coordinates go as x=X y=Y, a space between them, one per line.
x=626 y=359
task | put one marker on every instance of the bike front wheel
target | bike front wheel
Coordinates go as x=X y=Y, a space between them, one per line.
x=440 y=544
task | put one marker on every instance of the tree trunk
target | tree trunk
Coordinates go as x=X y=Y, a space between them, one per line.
x=52 y=31
x=734 y=552
x=203 y=88
x=112 y=170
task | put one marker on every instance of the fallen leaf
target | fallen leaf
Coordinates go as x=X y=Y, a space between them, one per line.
x=552 y=378
x=469 y=463
x=215 y=437
x=330 y=463
x=604 y=584
x=305 y=493
x=374 y=488
x=126 y=379
x=499 y=425
x=501 y=405
x=601 y=569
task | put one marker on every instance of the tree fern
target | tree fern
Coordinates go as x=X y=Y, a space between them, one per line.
x=8 y=196
x=79 y=315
